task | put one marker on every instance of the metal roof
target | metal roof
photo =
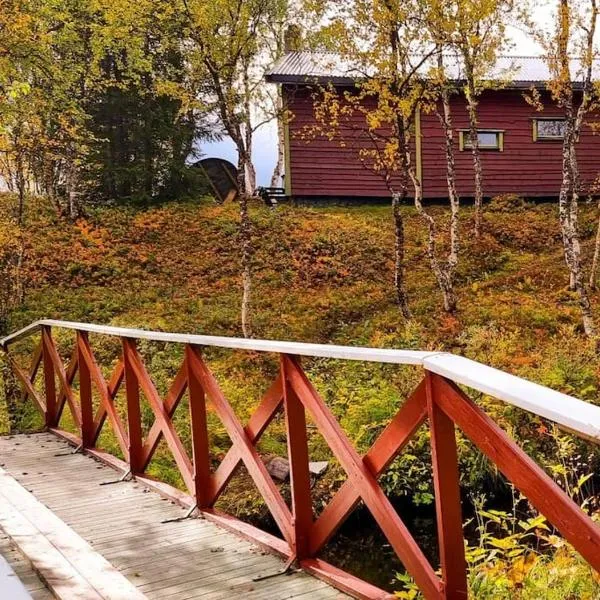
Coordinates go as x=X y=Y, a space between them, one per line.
x=324 y=67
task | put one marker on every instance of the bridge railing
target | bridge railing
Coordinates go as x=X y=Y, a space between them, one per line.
x=438 y=399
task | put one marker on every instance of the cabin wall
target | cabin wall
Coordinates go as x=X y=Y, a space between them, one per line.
x=319 y=166
x=322 y=167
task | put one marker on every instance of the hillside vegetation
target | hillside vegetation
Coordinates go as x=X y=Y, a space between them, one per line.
x=325 y=275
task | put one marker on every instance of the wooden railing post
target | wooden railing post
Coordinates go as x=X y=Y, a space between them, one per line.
x=49 y=378
x=199 y=430
x=295 y=422
x=444 y=458
x=134 y=419
x=85 y=393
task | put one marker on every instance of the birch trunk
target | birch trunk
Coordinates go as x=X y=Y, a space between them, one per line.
x=245 y=246
x=477 y=169
x=276 y=178
x=73 y=202
x=568 y=217
x=450 y=300
x=399 y=252
x=444 y=274
x=594 y=267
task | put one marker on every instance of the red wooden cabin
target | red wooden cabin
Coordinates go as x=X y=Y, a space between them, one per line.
x=521 y=146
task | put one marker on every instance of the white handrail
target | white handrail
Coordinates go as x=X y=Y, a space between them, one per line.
x=580 y=417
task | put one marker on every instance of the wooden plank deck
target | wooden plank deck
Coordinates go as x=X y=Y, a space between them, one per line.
x=22 y=568
x=179 y=561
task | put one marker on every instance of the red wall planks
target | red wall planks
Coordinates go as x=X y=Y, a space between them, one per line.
x=323 y=167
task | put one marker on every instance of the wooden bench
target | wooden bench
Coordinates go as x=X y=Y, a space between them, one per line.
x=271 y=195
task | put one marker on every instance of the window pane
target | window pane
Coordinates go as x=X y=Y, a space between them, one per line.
x=554 y=128
x=487 y=139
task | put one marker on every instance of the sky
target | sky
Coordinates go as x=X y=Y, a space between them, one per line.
x=265 y=148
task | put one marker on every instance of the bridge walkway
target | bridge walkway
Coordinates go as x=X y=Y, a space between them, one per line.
x=185 y=560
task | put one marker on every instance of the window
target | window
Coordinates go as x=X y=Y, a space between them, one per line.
x=489 y=139
x=548 y=129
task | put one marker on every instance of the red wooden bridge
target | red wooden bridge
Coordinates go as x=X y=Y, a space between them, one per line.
x=206 y=557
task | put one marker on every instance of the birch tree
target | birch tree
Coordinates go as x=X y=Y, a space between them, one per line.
x=225 y=52
x=399 y=71
x=570 y=54
x=475 y=30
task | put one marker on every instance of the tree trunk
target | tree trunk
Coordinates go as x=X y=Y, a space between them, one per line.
x=246 y=246
x=249 y=170
x=50 y=186
x=250 y=174
x=280 y=165
x=21 y=184
x=73 y=203
x=401 y=295
x=444 y=275
x=568 y=217
x=594 y=268
x=477 y=168
x=447 y=283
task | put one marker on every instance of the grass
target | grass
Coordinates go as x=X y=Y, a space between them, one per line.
x=321 y=275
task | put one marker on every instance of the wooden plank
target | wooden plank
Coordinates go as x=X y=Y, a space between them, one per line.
x=53 y=567
x=405 y=357
x=199 y=431
x=161 y=415
x=49 y=380
x=106 y=398
x=65 y=386
x=387 y=446
x=259 y=421
x=98 y=578
x=85 y=396
x=248 y=453
x=36 y=362
x=395 y=530
x=27 y=384
x=527 y=476
x=126 y=527
x=297 y=444
x=580 y=417
x=444 y=459
x=134 y=410
x=113 y=386
x=171 y=402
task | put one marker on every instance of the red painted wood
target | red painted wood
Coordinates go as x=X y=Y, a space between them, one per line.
x=85 y=396
x=247 y=451
x=70 y=373
x=113 y=386
x=27 y=384
x=171 y=402
x=343 y=581
x=65 y=387
x=199 y=429
x=366 y=484
x=389 y=444
x=106 y=399
x=321 y=166
x=259 y=421
x=134 y=414
x=543 y=493
x=49 y=380
x=444 y=458
x=161 y=415
x=36 y=361
x=297 y=444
